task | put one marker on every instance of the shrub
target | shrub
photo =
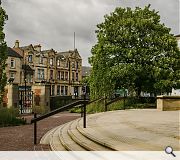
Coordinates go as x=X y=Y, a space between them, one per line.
x=9 y=117
x=39 y=109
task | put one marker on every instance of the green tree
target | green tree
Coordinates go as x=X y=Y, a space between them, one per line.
x=3 y=52
x=134 y=50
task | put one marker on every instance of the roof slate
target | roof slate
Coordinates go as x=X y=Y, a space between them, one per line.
x=12 y=53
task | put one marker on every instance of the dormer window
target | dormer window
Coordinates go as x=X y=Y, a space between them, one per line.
x=73 y=65
x=51 y=62
x=41 y=60
x=29 y=58
x=58 y=62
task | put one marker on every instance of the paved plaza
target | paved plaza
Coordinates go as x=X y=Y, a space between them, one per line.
x=146 y=129
x=124 y=130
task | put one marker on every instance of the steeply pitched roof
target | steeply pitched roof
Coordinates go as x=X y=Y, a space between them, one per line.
x=12 y=53
x=70 y=53
x=26 y=47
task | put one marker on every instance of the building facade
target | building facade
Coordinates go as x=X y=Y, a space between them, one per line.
x=42 y=71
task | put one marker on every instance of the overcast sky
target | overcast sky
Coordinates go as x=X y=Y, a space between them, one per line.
x=52 y=23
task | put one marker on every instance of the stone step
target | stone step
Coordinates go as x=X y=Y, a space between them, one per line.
x=66 y=140
x=55 y=143
x=46 y=139
x=131 y=130
x=84 y=141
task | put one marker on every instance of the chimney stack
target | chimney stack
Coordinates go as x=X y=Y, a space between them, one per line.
x=16 y=44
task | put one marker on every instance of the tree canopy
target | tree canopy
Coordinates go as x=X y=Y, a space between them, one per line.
x=3 y=52
x=135 y=51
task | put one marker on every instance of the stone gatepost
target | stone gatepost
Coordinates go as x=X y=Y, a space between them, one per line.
x=11 y=94
x=41 y=96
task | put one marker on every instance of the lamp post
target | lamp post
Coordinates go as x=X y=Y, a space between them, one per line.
x=25 y=85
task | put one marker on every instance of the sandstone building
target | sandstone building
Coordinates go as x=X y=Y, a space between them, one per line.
x=45 y=72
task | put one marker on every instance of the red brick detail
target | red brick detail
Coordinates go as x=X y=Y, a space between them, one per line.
x=37 y=92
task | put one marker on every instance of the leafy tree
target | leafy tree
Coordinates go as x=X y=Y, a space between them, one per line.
x=3 y=52
x=134 y=50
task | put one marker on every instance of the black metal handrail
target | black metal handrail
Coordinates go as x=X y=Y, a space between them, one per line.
x=114 y=100
x=64 y=108
x=97 y=99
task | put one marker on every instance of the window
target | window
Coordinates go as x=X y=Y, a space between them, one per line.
x=72 y=76
x=12 y=74
x=66 y=90
x=51 y=61
x=53 y=88
x=62 y=75
x=62 y=90
x=73 y=65
x=67 y=64
x=58 y=89
x=66 y=76
x=29 y=58
x=41 y=74
x=58 y=62
x=51 y=74
x=41 y=60
x=77 y=65
x=30 y=78
x=58 y=75
x=76 y=76
x=12 y=63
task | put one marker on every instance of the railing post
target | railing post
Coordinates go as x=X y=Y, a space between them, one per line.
x=124 y=102
x=105 y=104
x=84 y=116
x=35 y=130
x=81 y=110
x=84 y=119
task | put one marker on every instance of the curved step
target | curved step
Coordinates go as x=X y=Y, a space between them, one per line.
x=55 y=143
x=46 y=139
x=84 y=141
x=66 y=140
x=90 y=134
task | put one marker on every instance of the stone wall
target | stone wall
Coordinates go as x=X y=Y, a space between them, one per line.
x=41 y=96
x=168 y=103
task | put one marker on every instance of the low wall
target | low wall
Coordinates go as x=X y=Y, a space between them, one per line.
x=168 y=103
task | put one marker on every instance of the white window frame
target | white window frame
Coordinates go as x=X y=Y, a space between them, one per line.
x=30 y=59
x=13 y=62
x=51 y=61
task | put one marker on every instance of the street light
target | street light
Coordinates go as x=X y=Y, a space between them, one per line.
x=25 y=84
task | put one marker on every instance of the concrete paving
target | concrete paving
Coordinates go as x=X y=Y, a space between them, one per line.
x=129 y=130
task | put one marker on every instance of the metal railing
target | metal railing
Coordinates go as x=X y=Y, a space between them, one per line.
x=114 y=100
x=64 y=108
